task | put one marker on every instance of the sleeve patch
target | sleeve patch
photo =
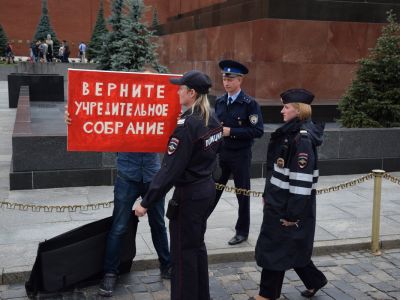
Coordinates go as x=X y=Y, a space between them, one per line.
x=302 y=160
x=173 y=145
x=253 y=119
x=212 y=138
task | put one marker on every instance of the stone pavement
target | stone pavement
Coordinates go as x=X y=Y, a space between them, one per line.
x=343 y=218
x=352 y=275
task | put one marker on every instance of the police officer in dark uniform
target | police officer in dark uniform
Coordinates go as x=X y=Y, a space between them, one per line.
x=188 y=165
x=287 y=231
x=241 y=118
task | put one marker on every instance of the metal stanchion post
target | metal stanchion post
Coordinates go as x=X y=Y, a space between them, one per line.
x=376 y=211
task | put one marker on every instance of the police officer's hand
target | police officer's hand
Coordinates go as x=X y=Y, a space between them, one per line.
x=67 y=118
x=227 y=131
x=140 y=211
x=288 y=223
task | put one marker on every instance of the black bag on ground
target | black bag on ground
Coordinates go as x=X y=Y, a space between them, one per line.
x=77 y=256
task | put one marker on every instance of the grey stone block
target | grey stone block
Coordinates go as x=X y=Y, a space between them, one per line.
x=337 y=294
x=137 y=288
x=249 y=284
x=21 y=181
x=369 y=143
x=151 y=279
x=38 y=153
x=259 y=149
x=330 y=146
x=384 y=287
x=42 y=87
x=348 y=166
x=155 y=287
x=13 y=293
x=354 y=269
x=391 y=164
x=108 y=159
x=359 y=143
x=70 y=178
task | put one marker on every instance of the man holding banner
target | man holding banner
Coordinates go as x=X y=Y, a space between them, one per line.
x=115 y=127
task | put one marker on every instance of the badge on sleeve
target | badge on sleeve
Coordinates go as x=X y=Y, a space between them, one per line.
x=173 y=145
x=253 y=119
x=280 y=162
x=302 y=160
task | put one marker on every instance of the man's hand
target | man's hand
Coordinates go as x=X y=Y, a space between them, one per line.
x=67 y=118
x=227 y=131
x=140 y=211
x=288 y=223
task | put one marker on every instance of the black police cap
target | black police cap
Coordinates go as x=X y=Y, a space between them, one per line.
x=196 y=80
x=297 y=96
x=231 y=68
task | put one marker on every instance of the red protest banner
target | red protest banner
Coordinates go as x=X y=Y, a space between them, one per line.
x=121 y=111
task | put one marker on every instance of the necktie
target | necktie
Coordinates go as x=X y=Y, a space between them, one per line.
x=230 y=101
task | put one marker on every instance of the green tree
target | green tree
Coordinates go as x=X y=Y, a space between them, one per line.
x=130 y=45
x=3 y=42
x=95 y=45
x=373 y=99
x=110 y=39
x=155 y=21
x=44 y=27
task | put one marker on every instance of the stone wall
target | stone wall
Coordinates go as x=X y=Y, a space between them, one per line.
x=317 y=55
x=40 y=158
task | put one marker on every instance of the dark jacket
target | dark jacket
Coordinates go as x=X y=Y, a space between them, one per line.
x=35 y=50
x=243 y=117
x=290 y=189
x=190 y=157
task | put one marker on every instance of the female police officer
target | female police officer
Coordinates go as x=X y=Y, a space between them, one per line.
x=187 y=165
x=287 y=231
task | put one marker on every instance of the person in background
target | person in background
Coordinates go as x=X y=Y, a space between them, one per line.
x=60 y=53
x=9 y=54
x=50 y=48
x=43 y=51
x=66 y=52
x=82 y=52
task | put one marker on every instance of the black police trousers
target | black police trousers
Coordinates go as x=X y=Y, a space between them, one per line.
x=188 y=250
x=237 y=163
x=271 y=281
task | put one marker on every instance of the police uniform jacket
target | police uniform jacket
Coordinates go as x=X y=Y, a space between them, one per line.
x=244 y=118
x=190 y=157
x=292 y=174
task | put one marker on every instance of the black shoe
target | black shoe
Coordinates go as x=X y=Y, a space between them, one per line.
x=309 y=294
x=166 y=273
x=107 y=285
x=237 y=239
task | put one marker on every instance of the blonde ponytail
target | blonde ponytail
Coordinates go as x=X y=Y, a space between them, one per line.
x=204 y=105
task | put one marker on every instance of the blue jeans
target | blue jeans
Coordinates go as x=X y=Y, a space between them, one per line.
x=126 y=192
